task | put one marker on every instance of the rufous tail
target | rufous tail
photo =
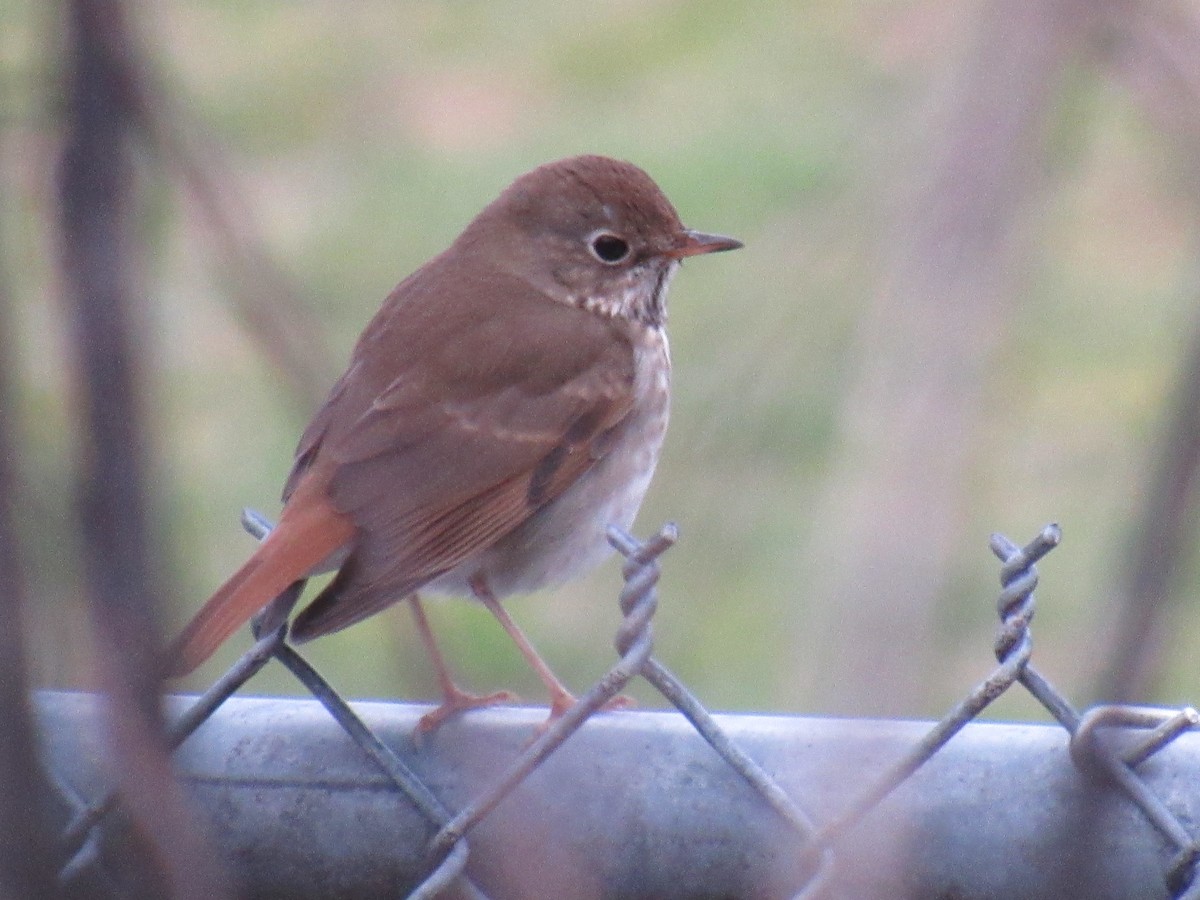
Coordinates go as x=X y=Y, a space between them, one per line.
x=309 y=532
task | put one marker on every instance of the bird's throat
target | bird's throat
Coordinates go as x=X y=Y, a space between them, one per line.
x=640 y=296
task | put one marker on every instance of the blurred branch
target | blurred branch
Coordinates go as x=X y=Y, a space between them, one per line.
x=94 y=185
x=26 y=868
x=1161 y=542
x=895 y=497
x=265 y=300
x=264 y=297
x=1155 y=49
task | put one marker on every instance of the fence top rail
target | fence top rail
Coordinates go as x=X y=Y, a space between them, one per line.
x=644 y=781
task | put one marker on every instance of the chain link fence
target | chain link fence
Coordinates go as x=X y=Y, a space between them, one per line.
x=635 y=806
x=321 y=798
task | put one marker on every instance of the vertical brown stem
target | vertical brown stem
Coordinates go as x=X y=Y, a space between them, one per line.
x=95 y=177
x=1154 y=50
x=25 y=839
x=896 y=496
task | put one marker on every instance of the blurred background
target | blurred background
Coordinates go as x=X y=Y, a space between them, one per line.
x=967 y=303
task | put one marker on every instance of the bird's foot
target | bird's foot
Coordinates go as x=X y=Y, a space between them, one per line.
x=560 y=702
x=619 y=702
x=457 y=701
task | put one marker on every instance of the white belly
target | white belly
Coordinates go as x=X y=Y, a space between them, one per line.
x=567 y=537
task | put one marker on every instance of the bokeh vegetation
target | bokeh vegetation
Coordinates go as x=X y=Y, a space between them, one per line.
x=362 y=136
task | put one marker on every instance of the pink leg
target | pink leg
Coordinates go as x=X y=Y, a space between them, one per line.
x=454 y=698
x=560 y=698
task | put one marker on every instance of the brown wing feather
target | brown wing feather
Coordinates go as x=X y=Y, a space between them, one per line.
x=465 y=440
x=382 y=571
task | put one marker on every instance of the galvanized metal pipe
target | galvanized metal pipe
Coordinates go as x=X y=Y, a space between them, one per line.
x=637 y=805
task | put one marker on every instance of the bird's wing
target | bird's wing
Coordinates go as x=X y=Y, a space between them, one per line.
x=484 y=421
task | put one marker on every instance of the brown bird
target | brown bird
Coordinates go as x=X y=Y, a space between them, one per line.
x=504 y=406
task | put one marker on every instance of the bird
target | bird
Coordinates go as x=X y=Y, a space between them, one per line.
x=504 y=406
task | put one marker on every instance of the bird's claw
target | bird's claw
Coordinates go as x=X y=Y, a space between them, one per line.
x=460 y=701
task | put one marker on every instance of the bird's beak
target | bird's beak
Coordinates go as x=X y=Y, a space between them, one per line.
x=693 y=243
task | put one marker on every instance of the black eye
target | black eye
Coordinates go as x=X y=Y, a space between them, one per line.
x=608 y=248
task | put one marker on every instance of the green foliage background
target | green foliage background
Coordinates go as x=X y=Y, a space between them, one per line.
x=364 y=135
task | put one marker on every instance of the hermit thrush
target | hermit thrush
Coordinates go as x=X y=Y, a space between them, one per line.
x=504 y=406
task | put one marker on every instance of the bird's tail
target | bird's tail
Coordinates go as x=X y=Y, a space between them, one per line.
x=307 y=535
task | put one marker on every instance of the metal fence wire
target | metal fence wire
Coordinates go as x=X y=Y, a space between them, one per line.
x=1111 y=775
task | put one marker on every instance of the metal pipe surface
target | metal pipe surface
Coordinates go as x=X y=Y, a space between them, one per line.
x=637 y=805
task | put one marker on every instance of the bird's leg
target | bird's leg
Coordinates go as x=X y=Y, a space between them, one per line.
x=454 y=698
x=561 y=699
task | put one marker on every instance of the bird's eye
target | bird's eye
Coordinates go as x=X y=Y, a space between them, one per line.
x=608 y=247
